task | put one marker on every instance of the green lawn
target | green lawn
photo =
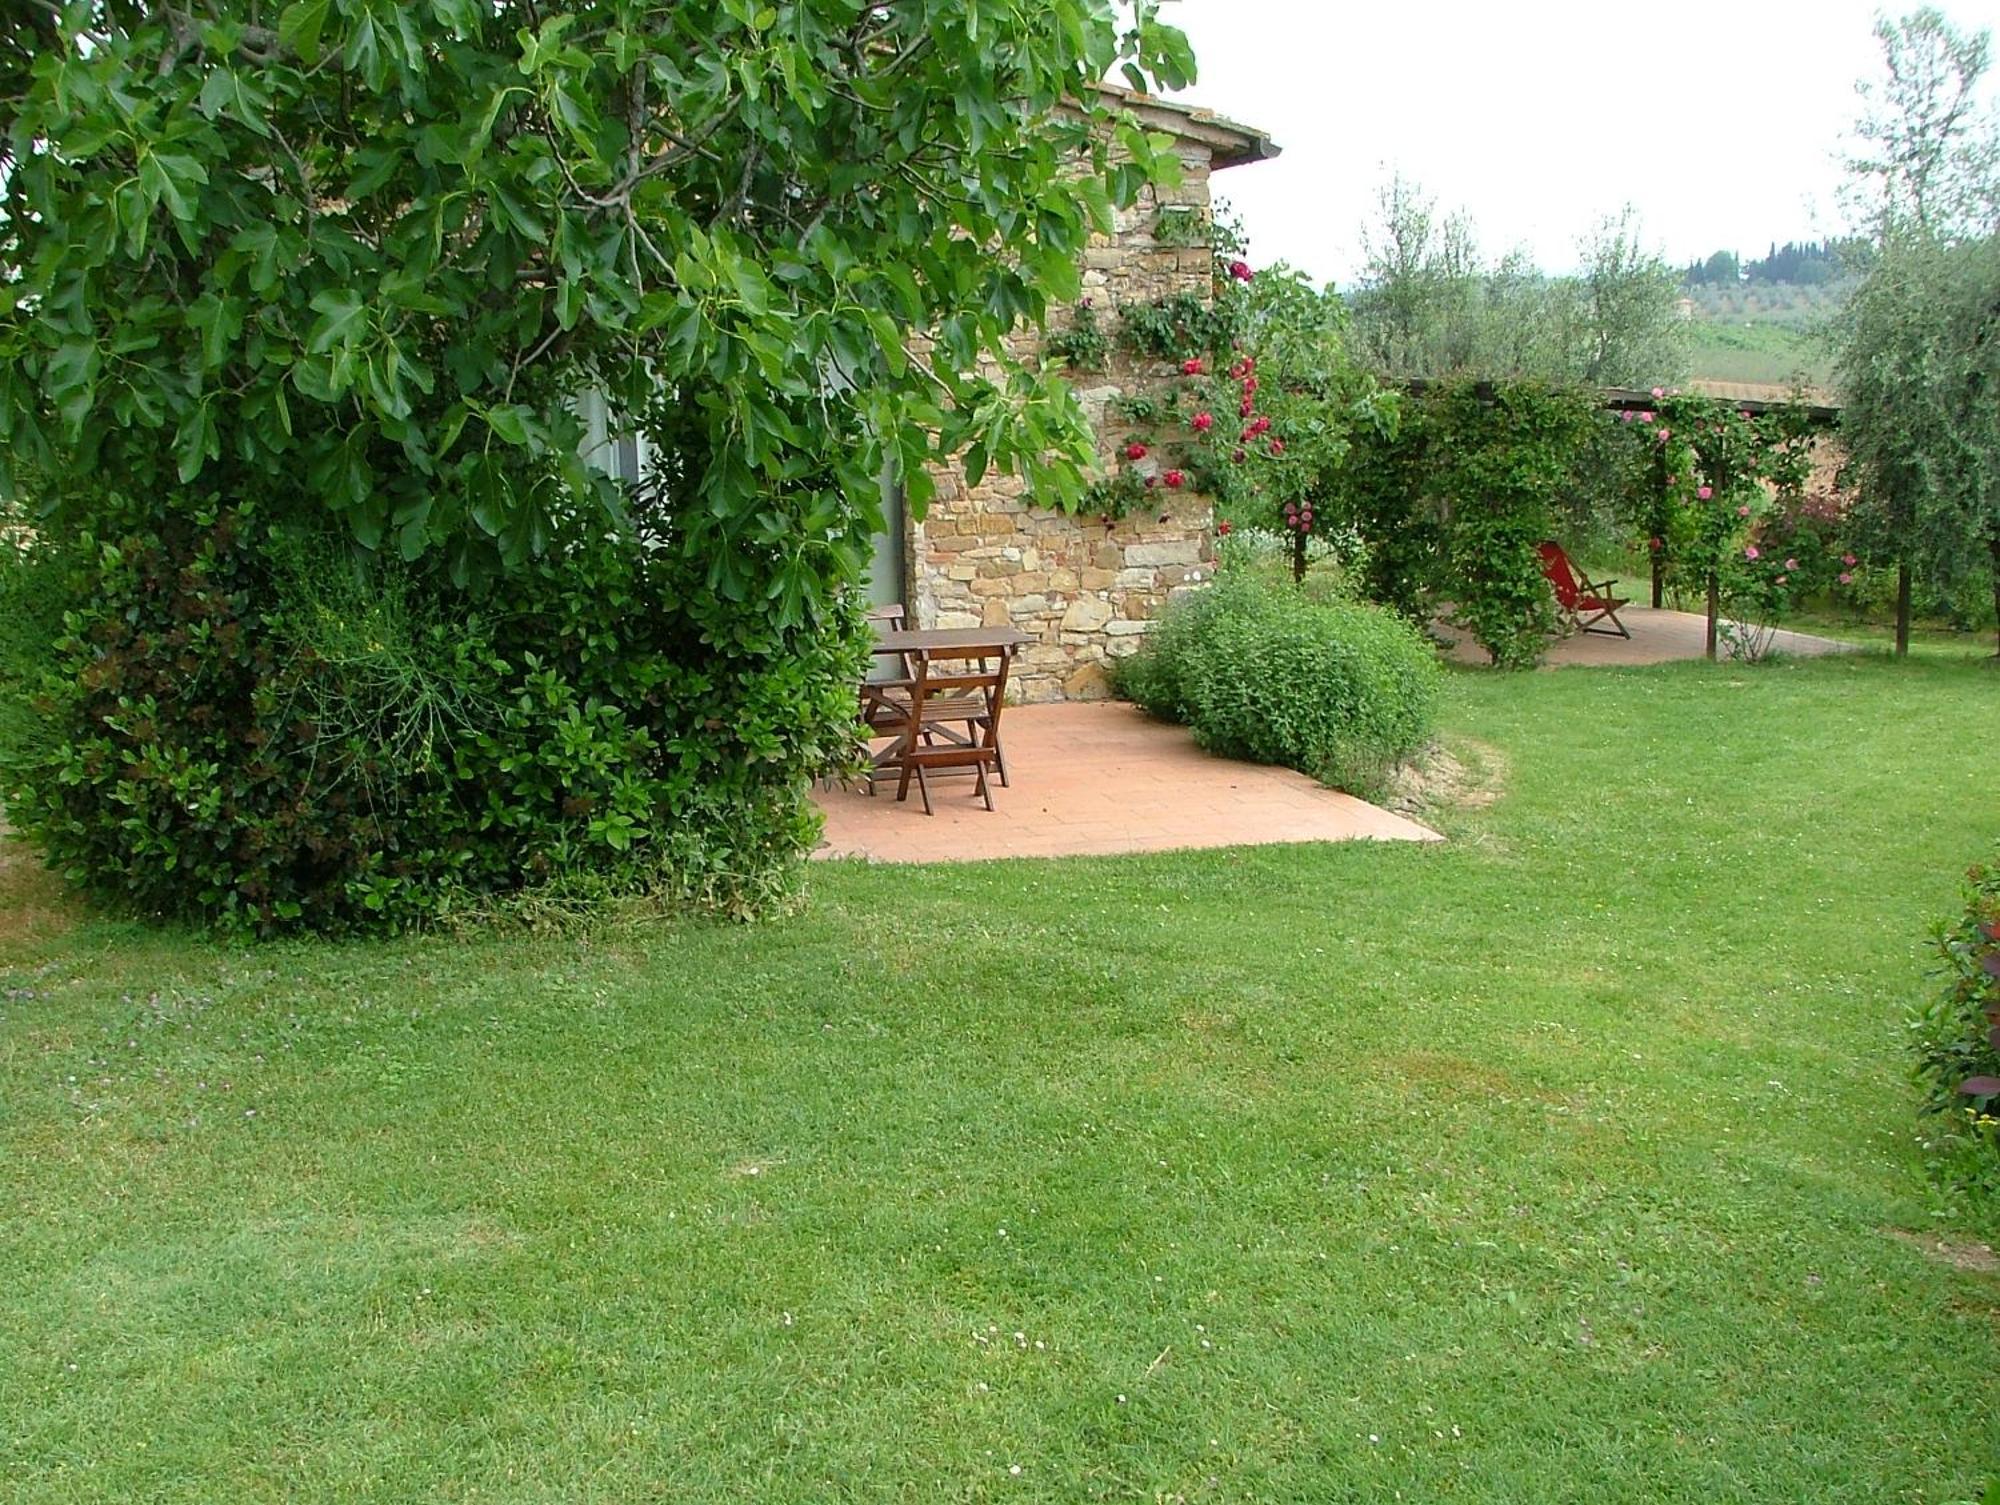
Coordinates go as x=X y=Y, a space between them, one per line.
x=1564 y=1161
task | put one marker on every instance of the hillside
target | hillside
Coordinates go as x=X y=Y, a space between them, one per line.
x=1762 y=331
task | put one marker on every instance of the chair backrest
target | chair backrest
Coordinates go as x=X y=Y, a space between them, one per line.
x=891 y=617
x=1561 y=576
x=984 y=679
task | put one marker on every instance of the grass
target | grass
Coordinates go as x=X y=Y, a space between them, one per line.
x=1723 y=349
x=1565 y=1161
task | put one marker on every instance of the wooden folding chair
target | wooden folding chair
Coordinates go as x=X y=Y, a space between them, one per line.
x=1584 y=603
x=972 y=697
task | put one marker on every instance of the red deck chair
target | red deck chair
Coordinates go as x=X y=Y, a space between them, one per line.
x=1584 y=603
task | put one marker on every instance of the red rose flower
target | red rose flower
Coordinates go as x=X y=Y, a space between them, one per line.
x=1174 y=479
x=1191 y=366
x=1240 y=270
x=1222 y=528
x=1203 y=422
x=1135 y=451
x=1277 y=446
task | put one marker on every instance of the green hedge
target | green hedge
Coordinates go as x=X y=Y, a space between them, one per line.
x=234 y=723
x=1335 y=689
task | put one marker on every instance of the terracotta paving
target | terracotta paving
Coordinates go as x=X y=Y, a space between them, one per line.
x=1093 y=778
x=1658 y=637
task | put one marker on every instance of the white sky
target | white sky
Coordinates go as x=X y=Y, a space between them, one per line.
x=1721 y=121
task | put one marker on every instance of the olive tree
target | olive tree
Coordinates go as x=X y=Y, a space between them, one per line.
x=1915 y=344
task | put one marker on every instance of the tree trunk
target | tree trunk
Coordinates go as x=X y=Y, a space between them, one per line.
x=1657 y=544
x=1903 y=610
x=1299 y=557
x=1714 y=611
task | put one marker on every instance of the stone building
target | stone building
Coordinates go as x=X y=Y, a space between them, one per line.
x=1085 y=590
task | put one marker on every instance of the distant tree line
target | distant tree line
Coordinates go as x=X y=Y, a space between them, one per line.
x=1798 y=262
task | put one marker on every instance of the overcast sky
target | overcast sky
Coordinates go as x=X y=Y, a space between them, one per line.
x=1720 y=121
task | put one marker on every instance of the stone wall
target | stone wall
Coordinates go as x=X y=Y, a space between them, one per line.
x=1085 y=589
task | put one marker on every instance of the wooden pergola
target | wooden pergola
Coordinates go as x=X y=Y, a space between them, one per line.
x=1755 y=399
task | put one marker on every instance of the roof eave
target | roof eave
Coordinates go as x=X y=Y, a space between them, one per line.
x=1230 y=143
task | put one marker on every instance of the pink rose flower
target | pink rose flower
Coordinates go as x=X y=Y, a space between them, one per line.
x=1845 y=578
x=1742 y=511
x=1849 y=560
x=1791 y=564
x=1645 y=417
x=1659 y=391
x=1704 y=492
x=1664 y=435
x=1751 y=552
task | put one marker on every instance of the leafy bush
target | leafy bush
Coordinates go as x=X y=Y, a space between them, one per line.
x=246 y=725
x=1957 y=1033
x=1338 y=690
x=1501 y=455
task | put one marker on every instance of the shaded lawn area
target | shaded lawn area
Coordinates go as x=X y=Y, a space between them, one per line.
x=1560 y=1162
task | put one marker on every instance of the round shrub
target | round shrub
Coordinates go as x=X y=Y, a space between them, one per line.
x=1335 y=689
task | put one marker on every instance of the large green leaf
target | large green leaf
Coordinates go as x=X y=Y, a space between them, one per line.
x=300 y=25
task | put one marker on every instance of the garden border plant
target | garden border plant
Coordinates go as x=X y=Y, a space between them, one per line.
x=1956 y=1033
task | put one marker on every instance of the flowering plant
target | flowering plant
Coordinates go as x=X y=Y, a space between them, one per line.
x=1723 y=477
x=1260 y=413
x=1794 y=551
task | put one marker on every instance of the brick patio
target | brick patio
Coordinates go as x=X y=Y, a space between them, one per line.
x=1093 y=778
